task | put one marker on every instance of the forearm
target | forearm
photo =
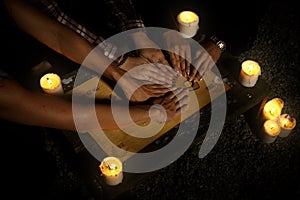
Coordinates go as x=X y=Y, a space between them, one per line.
x=22 y=106
x=39 y=110
x=126 y=13
x=58 y=37
x=118 y=119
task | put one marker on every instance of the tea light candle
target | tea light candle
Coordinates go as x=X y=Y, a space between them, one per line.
x=287 y=123
x=111 y=168
x=51 y=84
x=270 y=131
x=272 y=109
x=188 y=23
x=249 y=73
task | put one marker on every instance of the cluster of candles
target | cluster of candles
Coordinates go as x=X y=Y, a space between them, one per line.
x=275 y=123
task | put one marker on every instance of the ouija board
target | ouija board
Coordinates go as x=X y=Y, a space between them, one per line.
x=201 y=94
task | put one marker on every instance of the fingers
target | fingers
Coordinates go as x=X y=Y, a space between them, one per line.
x=206 y=66
x=203 y=63
x=180 y=59
x=154 y=56
x=194 y=73
x=176 y=99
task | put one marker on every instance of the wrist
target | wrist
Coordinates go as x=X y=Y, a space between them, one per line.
x=220 y=43
x=114 y=73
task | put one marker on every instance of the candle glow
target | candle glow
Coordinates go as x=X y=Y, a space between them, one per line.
x=188 y=23
x=249 y=73
x=51 y=83
x=111 y=168
x=287 y=124
x=271 y=128
x=273 y=108
x=188 y=17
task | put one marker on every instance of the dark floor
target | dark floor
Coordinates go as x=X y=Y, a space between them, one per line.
x=41 y=163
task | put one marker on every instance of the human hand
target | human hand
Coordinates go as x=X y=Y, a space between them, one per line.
x=170 y=106
x=179 y=52
x=142 y=70
x=148 y=49
x=203 y=64
x=206 y=58
x=138 y=90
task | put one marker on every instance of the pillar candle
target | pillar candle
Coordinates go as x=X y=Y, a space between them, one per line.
x=287 y=123
x=111 y=168
x=272 y=109
x=270 y=131
x=250 y=71
x=188 y=23
x=51 y=84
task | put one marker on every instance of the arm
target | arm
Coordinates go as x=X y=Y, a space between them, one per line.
x=23 y=106
x=130 y=18
x=56 y=36
x=67 y=42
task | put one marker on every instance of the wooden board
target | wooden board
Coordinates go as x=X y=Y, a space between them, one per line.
x=202 y=93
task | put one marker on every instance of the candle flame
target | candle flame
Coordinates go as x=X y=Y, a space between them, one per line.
x=111 y=166
x=286 y=121
x=251 y=67
x=272 y=108
x=271 y=127
x=188 y=16
x=49 y=81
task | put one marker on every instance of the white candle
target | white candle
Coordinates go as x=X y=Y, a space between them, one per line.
x=111 y=168
x=51 y=84
x=188 y=23
x=249 y=73
x=272 y=109
x=270 y=131
x=287 y=123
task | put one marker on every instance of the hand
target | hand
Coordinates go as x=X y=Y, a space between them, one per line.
x=149 y=49
x=141 y=69
x=139 y=91
x=203 y=63
x=179 y=52
x=170 y=106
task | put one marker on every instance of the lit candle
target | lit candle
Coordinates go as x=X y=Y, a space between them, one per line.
x=249 y=73
x=270 y=131
x=51 y=84
x=188 y=23
x=287 y=123
x=272 y=109
x=111 y=168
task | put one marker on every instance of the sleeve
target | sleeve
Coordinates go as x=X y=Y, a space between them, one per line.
x=52 y=9
x=126 y=14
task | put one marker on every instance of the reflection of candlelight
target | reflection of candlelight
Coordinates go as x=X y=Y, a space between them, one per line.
x=188 y=23
x=287 y=123
x=272 y=109
x=51 y=84
x=270 y=131
x=249 y=73
x=111 y=168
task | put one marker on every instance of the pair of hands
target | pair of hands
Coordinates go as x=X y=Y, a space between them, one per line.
x=180 y=56
x=150 y=75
